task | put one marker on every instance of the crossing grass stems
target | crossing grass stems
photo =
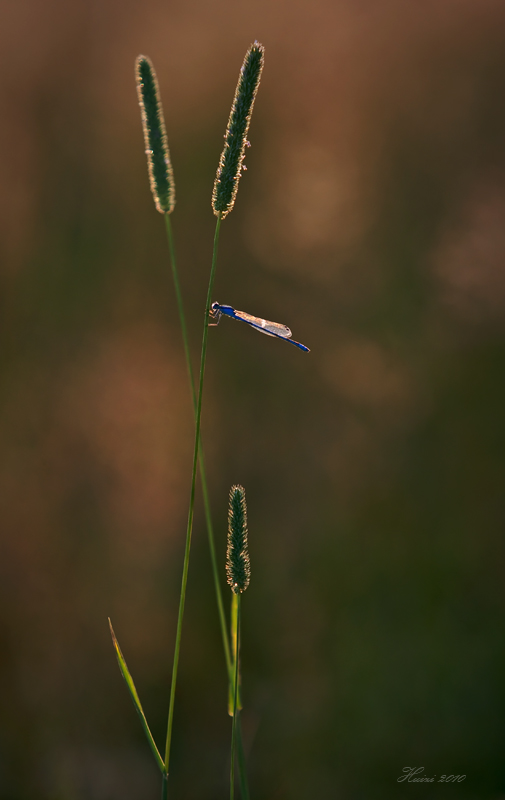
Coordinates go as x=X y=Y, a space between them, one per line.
x=224 y=194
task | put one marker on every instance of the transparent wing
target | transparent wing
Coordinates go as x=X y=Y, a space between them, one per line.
x=265 y=325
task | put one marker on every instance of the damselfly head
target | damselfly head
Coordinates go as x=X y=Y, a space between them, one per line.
x=214 y=313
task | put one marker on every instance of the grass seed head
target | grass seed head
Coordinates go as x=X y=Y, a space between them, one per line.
x=161 y=176
x=238 y=566
x=232 y=158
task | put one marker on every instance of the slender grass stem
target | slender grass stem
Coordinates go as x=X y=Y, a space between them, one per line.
x=219 y=596
x=233 y=642
x=244 y=787
x=189 y=529
x=205 y=493
x=180 y=306
x=208 y=517
x=235 y=710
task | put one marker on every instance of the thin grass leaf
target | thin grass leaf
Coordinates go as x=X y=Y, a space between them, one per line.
x=136 y=700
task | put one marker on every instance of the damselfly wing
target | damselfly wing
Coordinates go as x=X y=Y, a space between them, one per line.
x=265 y=326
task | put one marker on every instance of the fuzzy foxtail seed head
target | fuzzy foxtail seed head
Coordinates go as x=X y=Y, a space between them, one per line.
x=231 y=161
x=238 y=566
x=159 y=166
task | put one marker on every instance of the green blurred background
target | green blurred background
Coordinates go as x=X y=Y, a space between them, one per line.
x=372 y=221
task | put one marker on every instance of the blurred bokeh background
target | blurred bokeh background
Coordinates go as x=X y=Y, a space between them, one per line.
x=372 y=221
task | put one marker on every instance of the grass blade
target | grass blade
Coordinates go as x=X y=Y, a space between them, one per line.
x=206 y=502
x=136 y=700
x=189 y=529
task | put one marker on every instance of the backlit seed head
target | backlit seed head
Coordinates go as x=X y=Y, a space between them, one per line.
x=159 y=166
x=238 y=566
x=230 y=164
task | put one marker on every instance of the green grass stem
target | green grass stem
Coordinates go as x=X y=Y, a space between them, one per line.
x=242 y=771
x=208 y=520
x=189 y=528
x=205 y=493
x=235 y=709
x=244 y=786
x=233 y=640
